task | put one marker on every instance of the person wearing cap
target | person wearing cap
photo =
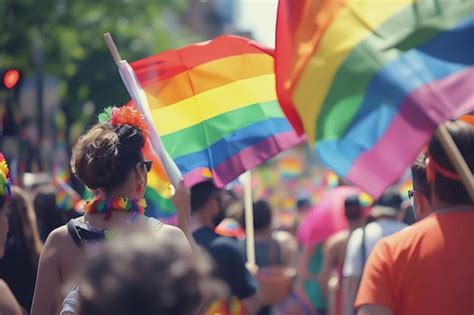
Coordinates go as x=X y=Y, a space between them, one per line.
x=361 y=242
x=335 y=252
x=428 y=268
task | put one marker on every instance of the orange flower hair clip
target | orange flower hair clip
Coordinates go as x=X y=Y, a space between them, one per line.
x=125 y=115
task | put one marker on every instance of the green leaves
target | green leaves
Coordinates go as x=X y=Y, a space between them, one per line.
x=105 y=115
x=70 y=33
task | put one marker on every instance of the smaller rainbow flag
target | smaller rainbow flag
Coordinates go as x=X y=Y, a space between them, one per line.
x=291 y=167
x=330 y=180
x=66 y=197
x=158 y=206
x=215 y=107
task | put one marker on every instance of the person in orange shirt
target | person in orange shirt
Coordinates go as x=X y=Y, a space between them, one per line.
x=428 y=268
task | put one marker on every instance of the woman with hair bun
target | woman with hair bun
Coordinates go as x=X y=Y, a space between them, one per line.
x=108 y=159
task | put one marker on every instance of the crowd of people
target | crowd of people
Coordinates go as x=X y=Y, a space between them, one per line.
x=111 y=259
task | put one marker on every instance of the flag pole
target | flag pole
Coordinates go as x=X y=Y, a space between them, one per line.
x=138 y=95
x=456 y=159
x=249 y=227
x=112 y=47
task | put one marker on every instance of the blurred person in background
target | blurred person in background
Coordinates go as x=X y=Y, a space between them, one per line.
x=361 y=242
x=302 y=207
x=18 y=266
x=48 y=214
x=140 y=273
x=271 y=247
x=428 y=268
x=335 y=253
x=407 y=212
x=108 y=158
x=206 y=213
x=8 y=303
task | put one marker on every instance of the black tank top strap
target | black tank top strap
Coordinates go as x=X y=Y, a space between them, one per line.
x=83 y=234
x=71 y=228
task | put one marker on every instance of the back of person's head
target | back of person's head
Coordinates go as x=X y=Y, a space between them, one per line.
x=23 y=225
x=140 y=273
x=262 y=215
x=445 y=181
x=303 y=204
x=352 y=208
x=201 y=193
x=48 y=216
x=390 y=198
x=418 y=172
x=105 y=155
x=388 y=205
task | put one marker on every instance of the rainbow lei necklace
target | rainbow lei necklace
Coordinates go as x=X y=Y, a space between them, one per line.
x=97 y=205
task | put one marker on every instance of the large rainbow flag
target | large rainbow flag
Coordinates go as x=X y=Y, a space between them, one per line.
x=215 y=107
x=370 y=80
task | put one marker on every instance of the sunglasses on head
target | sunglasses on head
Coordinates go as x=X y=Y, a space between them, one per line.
x=148 y=164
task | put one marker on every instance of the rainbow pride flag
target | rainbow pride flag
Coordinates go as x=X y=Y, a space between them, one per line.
x=291 y=166
x=158 y=206
x=215 y=107
x=369 y=81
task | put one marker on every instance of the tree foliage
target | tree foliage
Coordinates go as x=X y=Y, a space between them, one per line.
x=69 y=33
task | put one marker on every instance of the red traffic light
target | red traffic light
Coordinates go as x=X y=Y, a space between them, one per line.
x=11 y=77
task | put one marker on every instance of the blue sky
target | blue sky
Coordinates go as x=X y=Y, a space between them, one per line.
x=258 y=16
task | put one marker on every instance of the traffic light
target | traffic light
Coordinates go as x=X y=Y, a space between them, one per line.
x=10 y=79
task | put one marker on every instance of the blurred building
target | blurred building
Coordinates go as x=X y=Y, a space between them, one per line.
x=211 y=18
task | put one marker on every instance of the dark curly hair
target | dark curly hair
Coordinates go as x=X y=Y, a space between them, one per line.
x=104 y=156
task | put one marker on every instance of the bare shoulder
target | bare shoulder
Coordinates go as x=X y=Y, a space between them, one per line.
x=165 y=231
x=59 y=234
x=60 y=253
x=171 y=231
x=4 y=287
x=8 y=303
x=285 y=239
x=57 y=239
x=284 y=236
x=337 y=239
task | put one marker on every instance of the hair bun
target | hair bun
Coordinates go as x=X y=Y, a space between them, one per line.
x=95 y=156
x=104 y=156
